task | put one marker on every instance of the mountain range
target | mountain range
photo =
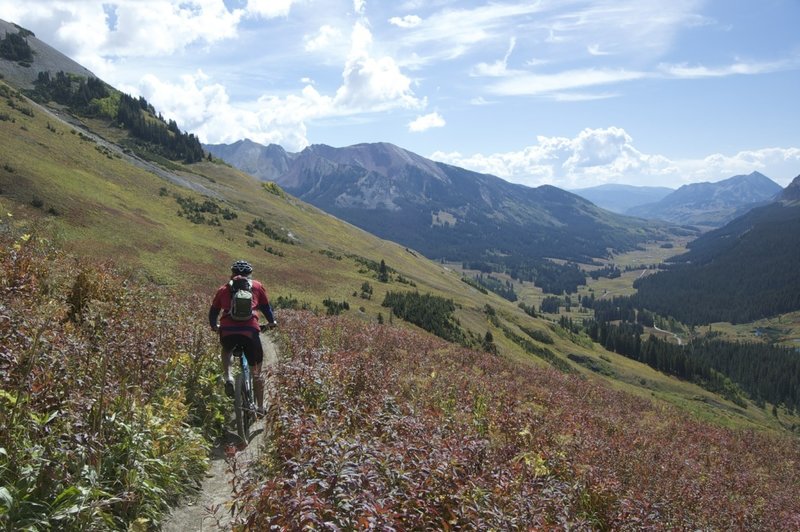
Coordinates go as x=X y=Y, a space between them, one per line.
x=444 y=211
x=711 y=204
x=620 y=198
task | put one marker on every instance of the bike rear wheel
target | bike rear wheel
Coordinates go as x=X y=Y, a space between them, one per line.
x=243 y=408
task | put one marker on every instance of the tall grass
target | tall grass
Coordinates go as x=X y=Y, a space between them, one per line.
x=374 y=427
x=107 y=393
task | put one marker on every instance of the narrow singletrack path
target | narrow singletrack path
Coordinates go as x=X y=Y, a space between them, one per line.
x=210 y=509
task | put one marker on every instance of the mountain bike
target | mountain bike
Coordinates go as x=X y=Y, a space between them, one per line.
x=244 y=401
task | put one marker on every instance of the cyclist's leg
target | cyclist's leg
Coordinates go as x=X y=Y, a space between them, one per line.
x=255 y=356
x=228 y=343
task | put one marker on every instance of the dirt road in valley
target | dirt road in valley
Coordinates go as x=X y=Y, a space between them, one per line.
x=678 y=338
x=210 y=509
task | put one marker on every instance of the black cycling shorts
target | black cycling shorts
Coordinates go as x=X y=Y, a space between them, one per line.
x=252 y=346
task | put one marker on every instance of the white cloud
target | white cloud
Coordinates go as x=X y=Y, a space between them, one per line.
x=582 y=96
x=594 y=49
x=322 y=40
x=498 y=68
x=739 y=68
x=167 y=27
x=640 y=28
x=560 y=86
x=480 y=100
x=544 y=84
x=408 y=21
x=425 y=122
x=359 y=6
x=780 y=164
x=370 y=83
x=203 y=107
x=92 y=31
x=199 y=105
x=269 y=8
x=597 y=156
x=451 y=33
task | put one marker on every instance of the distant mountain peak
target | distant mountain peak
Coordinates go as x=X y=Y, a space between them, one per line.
x=712 y=204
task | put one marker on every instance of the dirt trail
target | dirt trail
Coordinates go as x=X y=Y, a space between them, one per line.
x=209 y=510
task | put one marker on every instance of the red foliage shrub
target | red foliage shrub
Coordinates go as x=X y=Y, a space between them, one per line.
x=377 y=427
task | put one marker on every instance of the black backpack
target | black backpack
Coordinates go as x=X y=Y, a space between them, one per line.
x=241 y=299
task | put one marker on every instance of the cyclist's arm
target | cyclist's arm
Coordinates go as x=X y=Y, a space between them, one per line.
x=266 y=310
x=213 y=314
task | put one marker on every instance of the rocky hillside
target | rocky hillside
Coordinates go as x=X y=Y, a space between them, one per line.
x=23 y=73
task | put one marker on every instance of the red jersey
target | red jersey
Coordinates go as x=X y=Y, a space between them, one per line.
x=222 y=302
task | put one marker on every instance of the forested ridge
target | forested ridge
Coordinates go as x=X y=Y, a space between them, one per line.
x=764 y=372
x=92 y=97
x=742 y=272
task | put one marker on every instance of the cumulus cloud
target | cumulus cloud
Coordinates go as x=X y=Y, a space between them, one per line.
x=200 y=105
x=92 y=31
x=323 y=38
x=425 y=122
x=371 y=83
x=597 y=156
x=408 y=21
x=359 y=6
x=166 y=27
x=780 y=164
x=269 y=8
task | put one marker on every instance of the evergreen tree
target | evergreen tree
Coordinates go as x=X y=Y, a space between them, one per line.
x=15 y=47
x=383 y=272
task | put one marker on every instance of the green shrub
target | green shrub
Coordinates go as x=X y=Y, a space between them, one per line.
x=104 y=404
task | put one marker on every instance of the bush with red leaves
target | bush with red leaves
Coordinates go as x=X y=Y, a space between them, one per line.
x=376 y=427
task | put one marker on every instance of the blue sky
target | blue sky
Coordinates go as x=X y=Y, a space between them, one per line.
x=573 y=93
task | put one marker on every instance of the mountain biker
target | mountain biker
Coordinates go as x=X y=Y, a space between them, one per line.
x=233 y=332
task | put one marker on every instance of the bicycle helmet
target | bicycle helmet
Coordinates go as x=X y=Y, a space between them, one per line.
x=241 y=267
